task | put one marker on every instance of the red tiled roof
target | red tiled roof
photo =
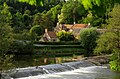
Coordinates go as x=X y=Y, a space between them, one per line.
x=80 y=26
x=52 y=34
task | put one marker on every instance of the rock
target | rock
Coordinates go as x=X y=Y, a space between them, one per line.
x=98 y=60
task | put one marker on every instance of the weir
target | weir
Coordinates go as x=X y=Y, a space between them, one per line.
x=46 y=69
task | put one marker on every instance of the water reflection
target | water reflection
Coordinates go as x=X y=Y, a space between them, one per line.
x=25 y=61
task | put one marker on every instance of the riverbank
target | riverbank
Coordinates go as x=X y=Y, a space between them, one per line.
x=97 y=60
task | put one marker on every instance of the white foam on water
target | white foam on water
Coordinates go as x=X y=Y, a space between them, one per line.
x=60 y=74
x=41 y=76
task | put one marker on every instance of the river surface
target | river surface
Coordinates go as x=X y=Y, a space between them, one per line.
x=92 y=72
x=60 y=68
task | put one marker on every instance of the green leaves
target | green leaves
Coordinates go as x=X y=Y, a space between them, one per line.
x=6 y=62
x=89 y=3
x=65 y=36
x=6 y=35
x=71 y=10
x=33 y=2
x=88 y=37
x=109 y=42
x=105 y=44
x=37 y=29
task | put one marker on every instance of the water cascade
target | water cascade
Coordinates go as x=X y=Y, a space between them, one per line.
x=46 y=69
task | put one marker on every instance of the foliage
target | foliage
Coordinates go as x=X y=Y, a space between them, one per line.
x=65 y=36
x=6 y=35
x=71 y=11
x=23 y=35
x=27 y=21
x=88 y=4
x=42 y=2
x=43 y=20
x=58 y=43
x=37 y=30
x=22 y=47
x=53 y=12
x=6 y=62
x=6 y=38
x=94 y=20
x=18 y=22
x=109 y=42
x=33 y=2
x=87 y=38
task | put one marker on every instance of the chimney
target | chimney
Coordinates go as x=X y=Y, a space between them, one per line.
x=74 y=22
x=46 y=30
x=58 y=24
x=88 y=25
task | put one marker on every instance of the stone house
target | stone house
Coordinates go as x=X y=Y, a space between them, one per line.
x=74 y=28
x=49 y=36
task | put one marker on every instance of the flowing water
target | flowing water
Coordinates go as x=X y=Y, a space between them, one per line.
x=72 y=70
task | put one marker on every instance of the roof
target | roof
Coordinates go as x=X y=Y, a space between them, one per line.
x=76 y=32
x=52 y=34
x=67 y=26
x=79 y=26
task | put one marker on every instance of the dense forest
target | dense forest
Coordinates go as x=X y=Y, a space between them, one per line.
x=26 y=20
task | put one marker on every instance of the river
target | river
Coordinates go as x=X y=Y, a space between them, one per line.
x=93 y=72
x=72 y=70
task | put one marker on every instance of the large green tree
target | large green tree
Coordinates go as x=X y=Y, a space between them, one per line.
x=90 y=3
x=6 y=38
x=53 y=13
x=71 y=11
x=6 y=35
x=43 y=20
x=109 y=42
x=18 y=22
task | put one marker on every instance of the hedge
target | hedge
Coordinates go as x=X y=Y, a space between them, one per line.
x=59 y=43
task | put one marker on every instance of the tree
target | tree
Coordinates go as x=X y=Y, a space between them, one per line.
x=37 y=29
x=18 y=22
x=53 y=13
x=27 y=21
x=42 y=2
x=109 y=42
x=88 y=37
x=71 y=11
x=6 y=38
x=6 y=35
x=88 y=4
x=43 y=20
x=6 y=62
x=33 y=2
x=95 y=20
x=65 y=36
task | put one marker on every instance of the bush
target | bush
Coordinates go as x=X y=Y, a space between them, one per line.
x=22 y=47
x=65 y=36
x=88 y=38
